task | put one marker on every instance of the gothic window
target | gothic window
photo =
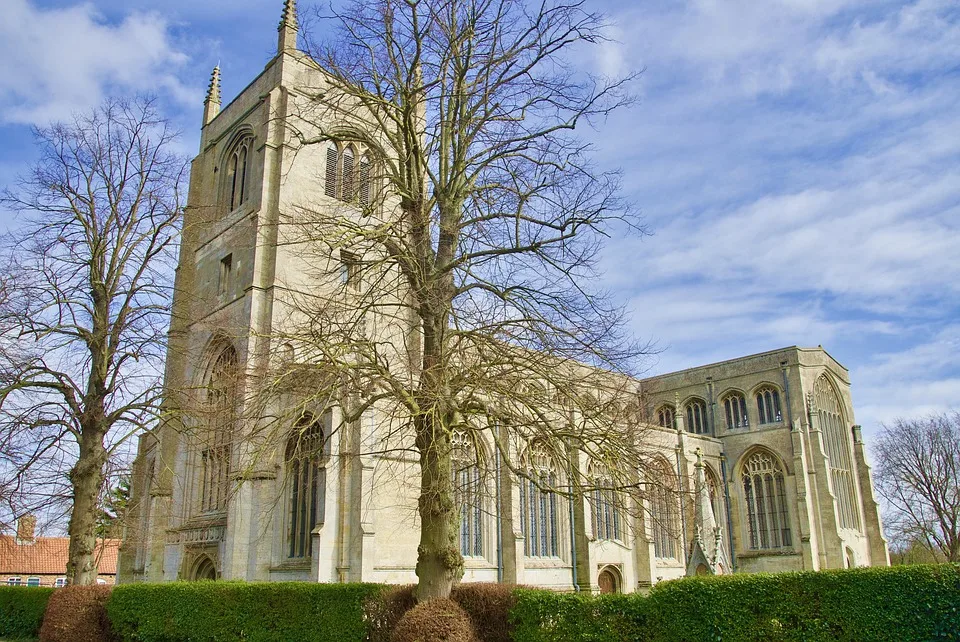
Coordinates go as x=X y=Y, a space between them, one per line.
x=236 y=180
x=764 y=494
x=713 y=488
x=306 y=478
x=836 y=437
x=468 y=494
x=346 y=178
x=664 y=510
x=666 y=417
x=768 y=406
x=220 y=423
x=697 y=417
x=539 y=505
x=735 y=409
x=603 y=504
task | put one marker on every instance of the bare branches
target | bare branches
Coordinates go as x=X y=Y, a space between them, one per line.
x=918 y=474
x=88 y=280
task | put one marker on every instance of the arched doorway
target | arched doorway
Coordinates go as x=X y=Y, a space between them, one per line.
x=204 y=569
x=609 y=580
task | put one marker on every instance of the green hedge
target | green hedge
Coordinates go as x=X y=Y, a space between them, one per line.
x=903 y=603
x=21 y=610
x=545 y=616
x=229 y=611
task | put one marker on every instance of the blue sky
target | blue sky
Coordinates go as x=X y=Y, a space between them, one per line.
x=798 y=162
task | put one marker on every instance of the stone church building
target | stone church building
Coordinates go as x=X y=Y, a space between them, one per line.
x=762 y=465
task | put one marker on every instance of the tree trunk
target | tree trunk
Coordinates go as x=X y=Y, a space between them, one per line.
x=439 y=562
x=87 y=479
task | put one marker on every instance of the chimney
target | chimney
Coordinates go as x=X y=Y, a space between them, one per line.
x=25 y=528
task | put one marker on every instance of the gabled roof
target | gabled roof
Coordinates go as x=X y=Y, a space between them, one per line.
x=48 y=556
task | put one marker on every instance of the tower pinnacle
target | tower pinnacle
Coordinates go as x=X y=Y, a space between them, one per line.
x=288 y=27
x=211 y=105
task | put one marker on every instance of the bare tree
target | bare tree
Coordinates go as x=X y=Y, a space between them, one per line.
x=88 y=276
x=461 y=301
x=918 y=474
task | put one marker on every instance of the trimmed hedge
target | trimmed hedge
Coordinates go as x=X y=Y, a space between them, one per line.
x=545 y=616
x=21 y=610
x=903 y=603
x=228 y=611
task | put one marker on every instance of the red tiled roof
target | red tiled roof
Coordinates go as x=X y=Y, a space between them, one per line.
x=48 y=556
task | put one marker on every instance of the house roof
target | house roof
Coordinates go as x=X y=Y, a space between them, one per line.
x=48 y=556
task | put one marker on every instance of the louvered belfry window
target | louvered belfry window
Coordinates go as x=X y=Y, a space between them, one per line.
x=330 y=186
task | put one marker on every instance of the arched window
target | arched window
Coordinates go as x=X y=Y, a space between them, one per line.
x=539 y=506
x=603 y=504
x=236 y=186
x=664 y=510
x=697 y=417
x=735 y=409
x=346 y=178
x=306 y=478
x=836 y=437
x=222 y=387
x=716 y=495
x=768 y=406
x=666 y=417
x=468 y=494
x=764 y=494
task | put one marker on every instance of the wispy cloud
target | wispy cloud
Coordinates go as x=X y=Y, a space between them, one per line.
x=61 y=60
x=798 y=163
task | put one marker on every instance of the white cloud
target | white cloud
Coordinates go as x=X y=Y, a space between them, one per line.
x=58 y=61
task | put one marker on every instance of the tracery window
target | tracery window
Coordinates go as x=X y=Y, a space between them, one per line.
x=836 y=436
x=764 y=494
x=664 y=510
x=697 y=417
x=603 y=504
x=468 y=494
x=346 y=178
x=306 y=478
x=222 y=386
x=236 y=180
x=735 y=409
x=768 y=406
x=539 y=504
x=666 y=417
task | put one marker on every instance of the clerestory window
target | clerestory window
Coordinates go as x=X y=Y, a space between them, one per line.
x=697 y=417
x=768 y=406
x=735 y=409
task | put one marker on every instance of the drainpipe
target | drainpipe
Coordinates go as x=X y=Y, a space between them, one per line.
x=499 y=520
